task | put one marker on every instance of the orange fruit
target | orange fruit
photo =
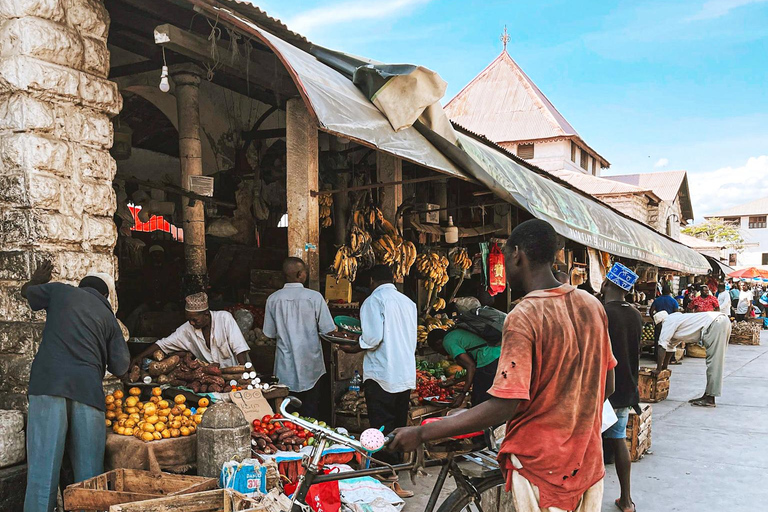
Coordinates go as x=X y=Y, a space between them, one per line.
x=163 y=419
x=157 y=435
x=163 y=412
x=119 y=393
x=163 y=404
x=108 y=422
x=159 y=426
x=147 y=436
x=175 y=424
x=157 y=391
x=128 y=431
x=135 y=416
x=198 y=418
x=110 y=415
x=166 y=434
x=131 y=401
x=150 y=409
x=130 y=423
x=179 y=399
x=109 y=399
x=153 y=419
x=181 y=407
x=203 y=402
x=192 y=429
x=111 y=407
x=184 y=431
x=148 y=427
x=175 y=432
x=118 y=403
x=121 y=431
x=140 y=405
x=201 y=410
x=187 y=413
x=134 y=391
x=176 y=411
x=154 y=399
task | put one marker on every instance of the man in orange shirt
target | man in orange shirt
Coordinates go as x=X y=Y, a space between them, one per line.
x=554 y=373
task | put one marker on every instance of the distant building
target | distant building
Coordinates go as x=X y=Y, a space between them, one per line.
x=505 y=106
x=750 y=218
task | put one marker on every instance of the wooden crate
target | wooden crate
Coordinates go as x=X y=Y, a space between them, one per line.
x=745 y=339
x=654 y=387
x=129 y=485
x=639 y=432
x=220 y=500
x=418 y=413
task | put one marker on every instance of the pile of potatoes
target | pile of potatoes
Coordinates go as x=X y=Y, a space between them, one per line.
x=153 y=420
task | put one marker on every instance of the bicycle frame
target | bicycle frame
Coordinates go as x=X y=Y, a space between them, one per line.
x=311 y=465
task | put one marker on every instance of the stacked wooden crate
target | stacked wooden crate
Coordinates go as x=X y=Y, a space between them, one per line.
x=639 y=432
x=653 y=385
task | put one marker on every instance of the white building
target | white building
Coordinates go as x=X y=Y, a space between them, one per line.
x=505 y=106
x=750 y=218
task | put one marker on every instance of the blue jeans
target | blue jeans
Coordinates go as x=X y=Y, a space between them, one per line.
x=53 y=424
x=619 y=429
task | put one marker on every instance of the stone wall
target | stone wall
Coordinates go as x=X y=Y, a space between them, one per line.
x=633 y=205
x=56 y=196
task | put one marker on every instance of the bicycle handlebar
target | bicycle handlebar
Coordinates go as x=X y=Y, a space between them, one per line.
x=330 y=434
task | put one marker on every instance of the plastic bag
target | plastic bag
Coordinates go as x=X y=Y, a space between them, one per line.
x=248 y=477
x=324 y=497
x=497 y=276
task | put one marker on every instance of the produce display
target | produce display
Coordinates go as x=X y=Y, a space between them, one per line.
x=427 y=386
x=430 y=323
x=393 y=251
x=250 y=320
x=326 y=203
x=353 y=402
x=182 y=369
x=434 y=270
x=460 y=259
x=647 y=335
x=153 y=420
x=269 y=438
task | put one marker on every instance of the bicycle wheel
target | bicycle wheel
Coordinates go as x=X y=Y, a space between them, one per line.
x=493 y=498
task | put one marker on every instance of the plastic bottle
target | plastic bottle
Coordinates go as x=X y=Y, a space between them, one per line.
x=354 y=384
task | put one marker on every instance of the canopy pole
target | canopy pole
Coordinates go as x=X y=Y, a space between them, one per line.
x=301 y=181
x=187 y=78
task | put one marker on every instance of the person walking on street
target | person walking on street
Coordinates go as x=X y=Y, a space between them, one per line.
x=744 y=301
x=81 y=340
x=724 y=300
x=704 y=302
x=712 y=330
x=625 y=326
x=295 y=317
x=734 y=291
x=389 y=320
x=555 y=372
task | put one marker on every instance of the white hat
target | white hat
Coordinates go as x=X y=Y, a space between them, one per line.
x=660 y=317
x=197 y=302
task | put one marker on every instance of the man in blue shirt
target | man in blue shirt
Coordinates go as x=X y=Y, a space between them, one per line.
x=81 y=339
x=665 y=302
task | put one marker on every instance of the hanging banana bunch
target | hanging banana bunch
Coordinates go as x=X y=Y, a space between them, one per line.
x=345 y=264
x=460 y=259
x=361 y=245
x=396 y=253
x=326 y=203
x=434 y=269
x=438 y=304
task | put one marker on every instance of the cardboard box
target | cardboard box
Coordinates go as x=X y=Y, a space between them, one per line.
x=337 y=291
x=428 y=217
x=252 y=403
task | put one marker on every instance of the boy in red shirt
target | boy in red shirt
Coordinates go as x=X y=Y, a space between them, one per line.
x=554 y=373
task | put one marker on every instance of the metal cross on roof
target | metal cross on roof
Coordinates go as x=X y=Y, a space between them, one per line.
x=504 y=38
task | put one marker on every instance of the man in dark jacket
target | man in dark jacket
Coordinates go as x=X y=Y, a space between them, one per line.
x=81 y=339
x=625 y=327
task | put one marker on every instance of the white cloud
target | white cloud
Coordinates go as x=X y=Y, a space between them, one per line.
x=727 y=187
x=661 y=162
x=718 y=8
x=347 y=12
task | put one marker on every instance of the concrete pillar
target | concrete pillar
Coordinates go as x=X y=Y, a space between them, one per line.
x=187 y=78
x=389 y=168
x=301 y=179
x=56 y=197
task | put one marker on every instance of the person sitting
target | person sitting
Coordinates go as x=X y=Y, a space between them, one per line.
x=704 y=302
x=472 y=353
x=211 y=336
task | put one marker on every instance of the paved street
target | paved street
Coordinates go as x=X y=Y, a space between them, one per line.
x=702 y=459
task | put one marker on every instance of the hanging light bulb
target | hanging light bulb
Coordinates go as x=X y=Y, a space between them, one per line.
x=451 y=232
x=164 y=85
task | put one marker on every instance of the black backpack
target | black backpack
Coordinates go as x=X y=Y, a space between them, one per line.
x=486 y=322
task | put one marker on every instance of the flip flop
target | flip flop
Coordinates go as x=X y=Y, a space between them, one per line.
x=695 y=399
x=633 y=509
x=703 y=403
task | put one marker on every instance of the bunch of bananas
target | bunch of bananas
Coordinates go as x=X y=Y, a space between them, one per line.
x=460 y=259
x=434 y=269
x=438 y=304
x=326 y=202
x=430 y=323
x=368 y=217
x=362 y=248
x=396 y=253
x=345 y=264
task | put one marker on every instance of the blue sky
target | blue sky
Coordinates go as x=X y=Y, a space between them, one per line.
x=651 y=85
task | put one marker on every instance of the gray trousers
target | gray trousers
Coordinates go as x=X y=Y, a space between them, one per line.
x=55 y=423
x=715 y=341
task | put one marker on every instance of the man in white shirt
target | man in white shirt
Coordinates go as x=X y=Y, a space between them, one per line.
x=389 y=320
x=745 y=301
x=724 y=299
x=295 y=317
x=712 y=329
x=211 y=336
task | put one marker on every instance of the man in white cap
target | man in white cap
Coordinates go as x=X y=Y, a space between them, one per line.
x=712 y=330
x=81 y=340
x=211 y=336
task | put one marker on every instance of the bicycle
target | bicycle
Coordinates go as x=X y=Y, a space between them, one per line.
x=478 y=479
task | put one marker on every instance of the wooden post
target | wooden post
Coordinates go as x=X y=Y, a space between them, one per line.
x=187 y=77
x=389 y=168
x=302 y=169
x=441 y=191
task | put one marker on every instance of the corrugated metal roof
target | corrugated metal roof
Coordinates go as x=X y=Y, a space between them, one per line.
x=503 y=104
x=597 y=186
x=756 y=207
x=667 y=185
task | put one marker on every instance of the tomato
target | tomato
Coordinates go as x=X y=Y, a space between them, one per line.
x=266 y=418
x=277 y=416
x=302 y=435
x=256 y=423
x=289 y=425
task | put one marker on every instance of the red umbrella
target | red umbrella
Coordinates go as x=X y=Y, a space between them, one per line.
x=749 y=273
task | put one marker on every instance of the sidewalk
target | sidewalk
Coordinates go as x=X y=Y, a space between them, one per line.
x=701 y=459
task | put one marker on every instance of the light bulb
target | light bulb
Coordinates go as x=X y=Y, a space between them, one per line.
x=164 y=85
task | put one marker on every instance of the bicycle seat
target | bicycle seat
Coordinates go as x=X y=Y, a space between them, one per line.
x=463 y=436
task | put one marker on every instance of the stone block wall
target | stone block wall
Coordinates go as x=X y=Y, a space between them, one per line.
x=56 y=196
x=633 y=205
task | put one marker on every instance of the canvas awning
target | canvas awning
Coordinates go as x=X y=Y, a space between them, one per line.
x=341 y=108
x=719 y=265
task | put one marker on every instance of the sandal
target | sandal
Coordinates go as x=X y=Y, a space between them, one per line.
x=402 y=493
x=633 y=509
x=703 y=403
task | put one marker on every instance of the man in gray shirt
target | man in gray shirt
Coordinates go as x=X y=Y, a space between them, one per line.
x=295 y=317
x=81 y=339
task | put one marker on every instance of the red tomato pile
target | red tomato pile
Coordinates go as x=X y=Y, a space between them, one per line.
x=284 y=436
x=428 y=386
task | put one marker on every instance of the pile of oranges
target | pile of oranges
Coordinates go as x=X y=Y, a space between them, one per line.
x=153 y=420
